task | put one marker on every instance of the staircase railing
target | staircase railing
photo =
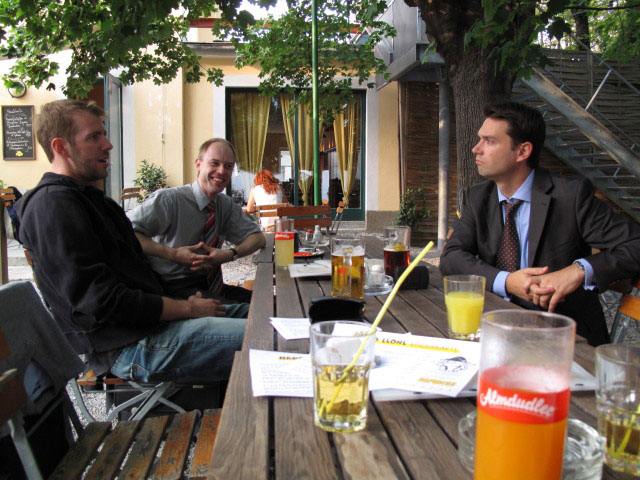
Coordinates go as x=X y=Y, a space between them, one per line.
x=595 y=60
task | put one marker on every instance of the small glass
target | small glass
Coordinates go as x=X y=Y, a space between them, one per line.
x=342 y=353
x=618 y=401
x=523 y=394
x=397 y=242
x=284 y=239
x=464 y=298
x=347 y=267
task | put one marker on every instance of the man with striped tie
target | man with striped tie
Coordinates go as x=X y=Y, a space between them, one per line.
x=531 y=233
x=92 y=272
x=182 y=229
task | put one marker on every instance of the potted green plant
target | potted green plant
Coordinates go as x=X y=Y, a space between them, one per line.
x=411 y=208
x=150 y=178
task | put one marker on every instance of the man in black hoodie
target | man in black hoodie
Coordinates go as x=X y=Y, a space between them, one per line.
x=91 y=271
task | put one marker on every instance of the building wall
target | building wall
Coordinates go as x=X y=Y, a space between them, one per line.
x=25 y=174
x=165 y=124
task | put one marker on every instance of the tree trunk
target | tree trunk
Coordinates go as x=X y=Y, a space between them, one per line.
x=473 y=78
x=474 y=85
x=582 y=26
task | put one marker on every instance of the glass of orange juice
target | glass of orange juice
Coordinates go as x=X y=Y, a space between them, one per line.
x=464 y=298
x=523 y=394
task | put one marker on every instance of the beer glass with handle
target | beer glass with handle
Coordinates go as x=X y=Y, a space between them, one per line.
x=523 y=394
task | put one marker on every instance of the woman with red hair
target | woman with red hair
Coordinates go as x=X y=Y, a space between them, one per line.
x=266 y=191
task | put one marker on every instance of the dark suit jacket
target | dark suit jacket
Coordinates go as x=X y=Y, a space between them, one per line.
x=566 y=222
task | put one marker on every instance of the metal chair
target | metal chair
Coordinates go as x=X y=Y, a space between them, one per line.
x=628 y=310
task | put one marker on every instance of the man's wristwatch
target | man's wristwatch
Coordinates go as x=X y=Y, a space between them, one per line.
x=235 y=254
x=581 y=267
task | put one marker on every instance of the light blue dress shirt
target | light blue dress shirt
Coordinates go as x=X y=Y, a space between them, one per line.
x=522 y=226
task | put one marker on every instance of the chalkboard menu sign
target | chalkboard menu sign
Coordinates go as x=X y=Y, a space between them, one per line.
x=17 y=132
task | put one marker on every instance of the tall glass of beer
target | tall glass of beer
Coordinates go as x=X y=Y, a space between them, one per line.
x=396 y=249
x=347 y=267
x=283 y=239
x=523 y=394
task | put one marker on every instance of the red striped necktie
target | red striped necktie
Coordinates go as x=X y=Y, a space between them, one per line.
x=214 y=275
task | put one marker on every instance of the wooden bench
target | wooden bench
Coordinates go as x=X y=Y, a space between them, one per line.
x=104 y=448
x=131 y=449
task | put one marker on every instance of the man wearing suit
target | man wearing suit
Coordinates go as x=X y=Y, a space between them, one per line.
x=557 y=219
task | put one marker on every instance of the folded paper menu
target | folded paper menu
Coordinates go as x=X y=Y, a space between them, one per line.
x=291 y=328
x=407 y=362
x=318 y=268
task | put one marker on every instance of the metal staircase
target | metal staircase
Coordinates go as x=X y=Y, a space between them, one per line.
x=583 y=136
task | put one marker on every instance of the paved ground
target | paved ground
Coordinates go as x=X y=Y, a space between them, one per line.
x=245 y=269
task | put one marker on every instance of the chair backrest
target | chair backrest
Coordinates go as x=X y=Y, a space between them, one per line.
x=307 y=216
x=128 y=196
x=269 y=210
x=628 y=310
x=127 y=193
x=35 y=339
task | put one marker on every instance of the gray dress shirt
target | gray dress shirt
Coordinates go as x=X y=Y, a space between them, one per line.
x=176 y=216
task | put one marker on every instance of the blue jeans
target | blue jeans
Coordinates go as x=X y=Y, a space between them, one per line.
x=194 y=351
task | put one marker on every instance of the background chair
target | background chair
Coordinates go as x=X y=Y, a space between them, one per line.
x=307 y=216
x=6 y=196
x=129 y=194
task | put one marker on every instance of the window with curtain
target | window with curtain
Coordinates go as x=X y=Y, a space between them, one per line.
x=287 y=149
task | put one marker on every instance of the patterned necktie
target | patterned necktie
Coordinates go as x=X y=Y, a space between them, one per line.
x=214 y=275
x=509 y=248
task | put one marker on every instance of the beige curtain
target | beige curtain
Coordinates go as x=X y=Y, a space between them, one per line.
x=346 y=127
x=304 y=164
x=249 y=121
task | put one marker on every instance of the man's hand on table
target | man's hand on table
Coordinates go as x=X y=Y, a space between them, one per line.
x=205 y=307
x=561 y=283
x=519 y=283
x=213 y=257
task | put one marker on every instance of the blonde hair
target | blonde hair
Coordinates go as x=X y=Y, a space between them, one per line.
x=56 y=120
x=208 y=143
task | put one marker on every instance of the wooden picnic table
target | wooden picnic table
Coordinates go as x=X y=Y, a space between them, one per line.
x=267 y=437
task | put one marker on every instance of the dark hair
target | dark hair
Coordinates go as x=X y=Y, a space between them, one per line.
x=525 y=125
x=56 y=120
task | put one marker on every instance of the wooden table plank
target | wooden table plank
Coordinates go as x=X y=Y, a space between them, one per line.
x=144 y=451
x=425 y=448
x=116 y=446
x=204 y=446
x=265 y=255
x=294 y=429
x=76 y=460
x=176 y=447
x=369 y=454
x=258 y=333
x=242 y=444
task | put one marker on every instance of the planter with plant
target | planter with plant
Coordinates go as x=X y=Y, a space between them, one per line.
x=412 y=209
x=150 y=178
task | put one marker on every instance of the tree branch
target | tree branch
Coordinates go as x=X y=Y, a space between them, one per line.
x=626 y=7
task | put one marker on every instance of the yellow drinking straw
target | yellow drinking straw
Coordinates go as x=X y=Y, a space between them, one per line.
x=324 y=407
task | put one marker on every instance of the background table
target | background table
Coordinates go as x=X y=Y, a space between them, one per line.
x=266 y=437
